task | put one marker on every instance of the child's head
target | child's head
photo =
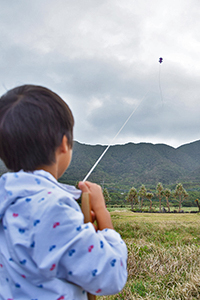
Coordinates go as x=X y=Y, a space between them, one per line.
x=33 y=121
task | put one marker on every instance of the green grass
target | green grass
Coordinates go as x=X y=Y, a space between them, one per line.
x=146 y=208
x=164 y=255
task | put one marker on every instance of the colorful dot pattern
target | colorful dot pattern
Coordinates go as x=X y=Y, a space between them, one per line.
x=42 y=216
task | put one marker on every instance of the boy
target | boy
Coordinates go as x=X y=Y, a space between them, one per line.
x=46 y=250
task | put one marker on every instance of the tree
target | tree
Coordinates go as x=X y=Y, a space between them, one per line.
x=197 y=202
x=159 y=193
x=142 y=194
x=149 y=197
x=167 y=194
x=132 y=196
x=106 y=195
x=181 y=193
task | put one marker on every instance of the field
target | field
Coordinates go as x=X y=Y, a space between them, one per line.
x=164 y=255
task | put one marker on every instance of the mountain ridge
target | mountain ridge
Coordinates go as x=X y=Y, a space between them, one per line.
x=134 y=164
x=137 y=163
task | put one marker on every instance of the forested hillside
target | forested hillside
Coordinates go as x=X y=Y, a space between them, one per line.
x=134 y=164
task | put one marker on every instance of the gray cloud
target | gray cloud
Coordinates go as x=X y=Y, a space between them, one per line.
x=102 y=58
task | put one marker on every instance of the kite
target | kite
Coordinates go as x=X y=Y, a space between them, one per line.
x=160 y=61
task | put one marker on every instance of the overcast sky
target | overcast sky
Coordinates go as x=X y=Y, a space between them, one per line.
x=102 y=56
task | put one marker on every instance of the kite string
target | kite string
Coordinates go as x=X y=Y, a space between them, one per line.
x=160 y=84
x=96 y=163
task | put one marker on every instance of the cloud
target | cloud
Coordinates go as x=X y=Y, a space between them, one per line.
x=102 y=58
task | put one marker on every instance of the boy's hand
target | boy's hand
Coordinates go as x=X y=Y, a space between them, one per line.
x=97 y=204
x=96 y=195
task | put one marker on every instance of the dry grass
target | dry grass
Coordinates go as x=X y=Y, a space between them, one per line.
x=164 y=256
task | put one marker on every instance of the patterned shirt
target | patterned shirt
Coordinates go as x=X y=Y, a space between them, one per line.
x=46 y=250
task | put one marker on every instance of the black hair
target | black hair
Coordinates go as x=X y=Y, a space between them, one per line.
x=33 y=121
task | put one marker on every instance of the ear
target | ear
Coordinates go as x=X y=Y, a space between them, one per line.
x=64 y=145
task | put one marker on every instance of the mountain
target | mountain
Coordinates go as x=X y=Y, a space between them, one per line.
x=134 y=164
x=3 y=168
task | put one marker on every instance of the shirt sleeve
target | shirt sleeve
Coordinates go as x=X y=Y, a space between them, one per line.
x=98 y=262
x=66 y=248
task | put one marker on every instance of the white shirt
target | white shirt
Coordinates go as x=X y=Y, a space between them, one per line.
x=46 y=250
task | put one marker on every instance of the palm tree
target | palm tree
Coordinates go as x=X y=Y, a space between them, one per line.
x=132 y=196
x=106 y=195
x=149 y=197
x=159 y=193
x=167 y=194
x=197 y=202
x=142 y=194
x=181 y=193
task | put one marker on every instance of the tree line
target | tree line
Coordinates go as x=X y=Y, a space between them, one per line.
x=137 y=197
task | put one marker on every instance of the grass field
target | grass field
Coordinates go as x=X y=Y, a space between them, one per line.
x=164 y=255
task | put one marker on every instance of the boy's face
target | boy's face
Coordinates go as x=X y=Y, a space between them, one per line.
x=64 y=161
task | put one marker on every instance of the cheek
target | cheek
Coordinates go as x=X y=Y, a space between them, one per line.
x=70 y=156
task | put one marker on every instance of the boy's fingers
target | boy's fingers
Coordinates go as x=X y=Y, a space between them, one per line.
x=87 y=183
x=83 y=187
x=93 y=216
